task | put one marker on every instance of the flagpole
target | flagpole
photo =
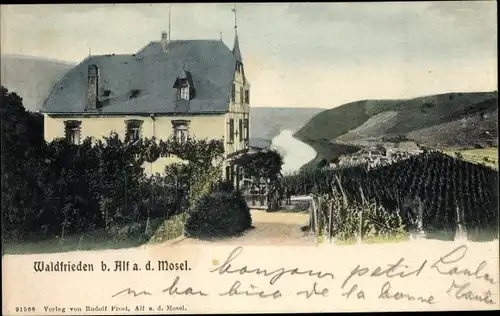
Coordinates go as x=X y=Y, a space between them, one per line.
x=169 y=16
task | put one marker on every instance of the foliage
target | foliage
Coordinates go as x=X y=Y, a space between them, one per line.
x=58 y=188
x=322 y=163
x=220 y=214
x=261 y=165
x=264 y=166
x=203 y=180
x=170 y=229
x=376 y=221
x=443 y=183
x=395 y=138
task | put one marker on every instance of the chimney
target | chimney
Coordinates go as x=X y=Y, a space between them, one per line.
x=164 y=41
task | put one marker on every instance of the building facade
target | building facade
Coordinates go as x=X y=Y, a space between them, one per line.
x=180 y=88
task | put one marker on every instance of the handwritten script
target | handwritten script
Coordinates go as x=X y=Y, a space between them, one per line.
x=469 y=283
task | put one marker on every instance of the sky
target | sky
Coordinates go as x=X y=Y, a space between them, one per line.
x=295 y=54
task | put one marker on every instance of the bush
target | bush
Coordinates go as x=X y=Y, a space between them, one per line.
x=60 y=189
x=322 y=163
x=221 y=213
x=377 y=221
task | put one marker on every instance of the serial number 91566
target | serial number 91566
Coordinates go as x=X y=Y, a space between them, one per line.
x=25 y=309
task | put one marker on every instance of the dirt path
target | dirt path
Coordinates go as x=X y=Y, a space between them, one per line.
x=269 y=229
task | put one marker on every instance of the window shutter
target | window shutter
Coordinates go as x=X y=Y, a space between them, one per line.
x=247 y=97
x=247 y=133
x=231 y=130
x=240 y=128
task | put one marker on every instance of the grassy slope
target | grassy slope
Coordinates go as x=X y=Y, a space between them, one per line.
x=94 y=240
x=476 y=155
x=413 y=114
x=267 y=122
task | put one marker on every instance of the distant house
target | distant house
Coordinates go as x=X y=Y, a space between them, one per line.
x=407 y=146
x=184 y=88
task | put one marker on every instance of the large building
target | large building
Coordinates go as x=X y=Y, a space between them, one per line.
x=185 y=88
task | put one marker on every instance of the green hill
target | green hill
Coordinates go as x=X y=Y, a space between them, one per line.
x=378 y=119
x=32 y=78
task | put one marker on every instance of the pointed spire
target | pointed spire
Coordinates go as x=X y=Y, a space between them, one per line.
x=236 y=47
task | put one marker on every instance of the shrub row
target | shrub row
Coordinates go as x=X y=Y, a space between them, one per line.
x=58 y=189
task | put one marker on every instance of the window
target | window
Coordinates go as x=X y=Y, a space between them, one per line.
x=241 y=95
x=181 y=131
x=247 y=96
x=134 y=94
x=184 y=91
x=247 y=134
x=133 y=132
x=72 y=131
x=240 y=129
x=231 y=130
x=239 y=67
x=233 y=93
x=184 y=85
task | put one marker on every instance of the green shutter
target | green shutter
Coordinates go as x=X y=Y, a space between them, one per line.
x=231 y=130
x=240 y=129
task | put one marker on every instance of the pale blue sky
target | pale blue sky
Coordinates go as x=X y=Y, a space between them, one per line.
x=300 y=54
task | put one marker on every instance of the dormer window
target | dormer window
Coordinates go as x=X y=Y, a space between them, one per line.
x=184 y=85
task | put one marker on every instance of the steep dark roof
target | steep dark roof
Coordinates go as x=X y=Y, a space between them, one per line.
x=152 y=73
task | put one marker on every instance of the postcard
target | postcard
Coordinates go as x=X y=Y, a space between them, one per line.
x=249 y=158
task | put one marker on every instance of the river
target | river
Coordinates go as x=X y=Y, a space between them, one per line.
x=295 y=152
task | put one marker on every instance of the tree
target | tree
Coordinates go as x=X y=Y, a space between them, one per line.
x=22 y=131
x=322 y=163
x=264 y=165
x=22 y=143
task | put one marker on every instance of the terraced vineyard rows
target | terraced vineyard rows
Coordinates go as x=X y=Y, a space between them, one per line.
x=442 y=182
